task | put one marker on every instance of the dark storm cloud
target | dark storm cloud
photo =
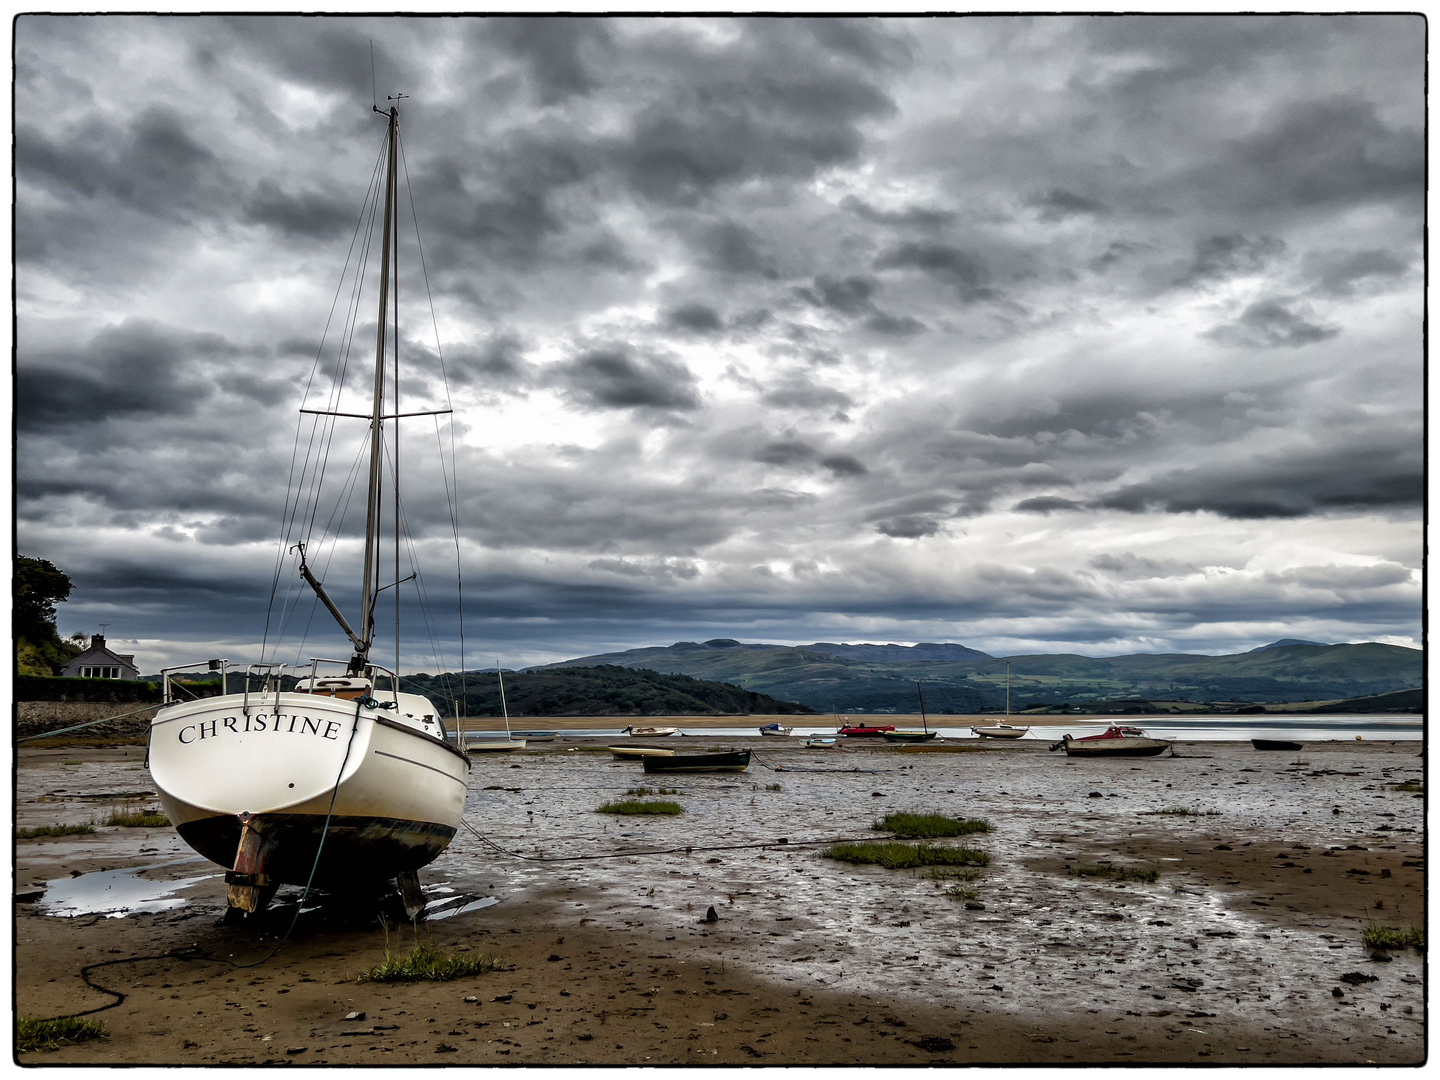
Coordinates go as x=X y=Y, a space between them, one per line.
x=798 y=390
x=1047 y=504
x=1218 y=258
x=850 y=296
x=559 y=52
x=926 y=219
x=308 y=213
x=958 y=269
x=925 y=271
x=498 y=363
x=1058 y=204
x=153 y=164
x=730 y=247
x=780 y=106
x=616 y=377
x=1344 y=273
x=694 y=318
x=1270 y=324
x=1336 y=151
x=908 y=527
x=1342 y=477
x=135 y=369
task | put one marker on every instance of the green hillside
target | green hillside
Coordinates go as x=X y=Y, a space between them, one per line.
x=593 y=691
x=830 y=683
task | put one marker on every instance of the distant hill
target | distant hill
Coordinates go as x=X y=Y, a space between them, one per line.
x=1288 y=641
x=832 y=678
x=593 y=691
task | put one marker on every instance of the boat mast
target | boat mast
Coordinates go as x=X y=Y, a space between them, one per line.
x=1007 y=693
x=368 y=595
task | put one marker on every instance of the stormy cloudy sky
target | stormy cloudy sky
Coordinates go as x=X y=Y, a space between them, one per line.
x=1036 y=334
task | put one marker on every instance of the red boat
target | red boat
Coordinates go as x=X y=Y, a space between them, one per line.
x=866 y=729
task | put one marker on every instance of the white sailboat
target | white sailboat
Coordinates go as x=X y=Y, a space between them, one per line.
x=489 y=742
x=1002 y=729
x=336 y=779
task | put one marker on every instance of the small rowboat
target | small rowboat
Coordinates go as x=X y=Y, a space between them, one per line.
x=485 y=742
x=728 y=761
x=775 y=729
x=1115 y=741
x=649 y=732
x=1276 y=744
x=823 y=743
x=633 y=753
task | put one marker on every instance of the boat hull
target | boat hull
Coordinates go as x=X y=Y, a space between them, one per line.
x=1116 y=747
x=1276 y=744
x=735 y=762
x=284 y=764
x=910 y=736
x=630 y=753
x=1000 y=732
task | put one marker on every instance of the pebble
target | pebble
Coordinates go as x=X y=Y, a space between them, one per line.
x=361 y=1015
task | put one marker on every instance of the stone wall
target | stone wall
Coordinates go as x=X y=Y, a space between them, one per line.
x=35 y=717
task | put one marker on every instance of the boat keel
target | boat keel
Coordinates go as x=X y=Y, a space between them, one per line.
x=250 y=888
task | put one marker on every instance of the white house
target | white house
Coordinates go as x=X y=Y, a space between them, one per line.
x=98 y=662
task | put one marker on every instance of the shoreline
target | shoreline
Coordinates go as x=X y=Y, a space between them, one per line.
x=1231 y=956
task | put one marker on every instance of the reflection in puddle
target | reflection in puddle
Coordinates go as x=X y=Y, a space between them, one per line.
x=115 y=893
x=457 y=905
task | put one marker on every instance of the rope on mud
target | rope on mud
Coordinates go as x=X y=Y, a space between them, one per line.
x=88 y=723
x=173 y=954
x=783 y=841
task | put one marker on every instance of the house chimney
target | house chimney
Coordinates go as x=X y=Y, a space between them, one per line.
x=97 y=641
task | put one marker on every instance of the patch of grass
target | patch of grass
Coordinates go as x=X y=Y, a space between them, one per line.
x=1375 y=936
x=930 y=825
x=134 y=817
x=53 y=830
x=960 y=892
x=773 y=787
x=636 y=806
x=1119 y=873
x=1178 y=888
x=35 y=1034
x=71 y=763
x=1187 y=811
x=951 y=873
x=425 y=963
x=1408 y=785
x=895 y=856
x=652 y=791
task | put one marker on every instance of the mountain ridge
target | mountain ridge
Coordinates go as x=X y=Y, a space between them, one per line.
x=830 y=677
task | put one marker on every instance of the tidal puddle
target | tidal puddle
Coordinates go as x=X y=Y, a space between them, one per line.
x=457 y=905
x=116 y=893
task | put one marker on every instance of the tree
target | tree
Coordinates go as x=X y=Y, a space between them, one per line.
x=37 y=587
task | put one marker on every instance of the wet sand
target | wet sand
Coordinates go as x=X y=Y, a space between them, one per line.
x=1232 y=956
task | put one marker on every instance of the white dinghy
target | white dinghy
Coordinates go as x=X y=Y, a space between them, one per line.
x=333 y=779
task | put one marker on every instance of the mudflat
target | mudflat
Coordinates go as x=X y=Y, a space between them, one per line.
x=1243 y=947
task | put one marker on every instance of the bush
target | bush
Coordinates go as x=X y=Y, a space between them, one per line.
x=1375 y=936
x=635 y=806
x=425 y=963
x=53 y=830
x=930 y=825
x=132 y=817
x=35 y=1034
x=895 y=856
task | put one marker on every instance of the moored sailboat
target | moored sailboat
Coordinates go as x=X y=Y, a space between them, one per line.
x=334 y=778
